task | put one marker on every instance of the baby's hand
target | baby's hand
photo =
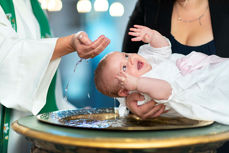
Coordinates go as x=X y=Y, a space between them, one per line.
x=127 y=81
x=147 y=35
x=141 y=33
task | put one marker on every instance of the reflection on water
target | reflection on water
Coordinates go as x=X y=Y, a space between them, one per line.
x=122 y=122
x=109 y=119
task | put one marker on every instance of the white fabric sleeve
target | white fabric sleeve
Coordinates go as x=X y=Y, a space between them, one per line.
x=155 y=55
x=122 y=109
x=25 y=69
x=167 y=100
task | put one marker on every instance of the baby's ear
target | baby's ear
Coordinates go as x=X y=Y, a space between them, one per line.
x=123 y=92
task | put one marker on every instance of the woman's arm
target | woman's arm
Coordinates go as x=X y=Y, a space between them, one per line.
x=148 y=110
x=137 y=17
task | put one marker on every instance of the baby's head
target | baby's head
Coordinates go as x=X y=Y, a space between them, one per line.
x=110 y=66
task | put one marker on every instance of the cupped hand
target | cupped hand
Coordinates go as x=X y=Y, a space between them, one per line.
x=86 y=48
x=148 y=110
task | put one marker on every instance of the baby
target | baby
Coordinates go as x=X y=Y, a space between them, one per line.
x=195 y=86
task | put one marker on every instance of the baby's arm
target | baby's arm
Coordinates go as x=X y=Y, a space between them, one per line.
x=157 y=89
x=147 y=35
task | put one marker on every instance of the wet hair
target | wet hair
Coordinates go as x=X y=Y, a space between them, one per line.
x=101 y=84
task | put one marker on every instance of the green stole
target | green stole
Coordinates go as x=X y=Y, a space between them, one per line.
x=8 y=7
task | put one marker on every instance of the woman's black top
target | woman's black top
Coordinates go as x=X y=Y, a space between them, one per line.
x=177 y=47
x=156 y=14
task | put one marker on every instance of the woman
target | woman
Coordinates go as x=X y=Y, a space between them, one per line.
x=28 y=64
x=200 y=25
x=192 y=23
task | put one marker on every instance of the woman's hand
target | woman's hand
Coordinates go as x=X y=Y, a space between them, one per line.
x=86 y=48
x=148 y=110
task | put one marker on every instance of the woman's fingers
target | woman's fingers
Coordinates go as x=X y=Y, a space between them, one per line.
x=160 y=111
x=131 y=102
x=134 y=97
x=148 y=110
x=156 y=111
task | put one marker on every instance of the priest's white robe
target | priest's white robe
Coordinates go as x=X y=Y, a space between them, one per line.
x=25 y=68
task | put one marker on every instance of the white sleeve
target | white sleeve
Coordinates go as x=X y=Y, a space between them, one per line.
x=122 y=109
x=155 y=55
x=25 y=69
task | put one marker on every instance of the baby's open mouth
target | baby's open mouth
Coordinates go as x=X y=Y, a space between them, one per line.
x=140 y=65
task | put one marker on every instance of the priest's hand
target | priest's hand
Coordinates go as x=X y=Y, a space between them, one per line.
x=80 y=43
x=148 y=110
x=86 y=48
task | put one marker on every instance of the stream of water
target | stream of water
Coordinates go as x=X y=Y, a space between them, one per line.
x=67 y=86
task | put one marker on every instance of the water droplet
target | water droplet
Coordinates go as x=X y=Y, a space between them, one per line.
x=115 y=109
x=88 y=95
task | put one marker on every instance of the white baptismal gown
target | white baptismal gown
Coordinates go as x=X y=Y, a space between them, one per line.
x=201 y=93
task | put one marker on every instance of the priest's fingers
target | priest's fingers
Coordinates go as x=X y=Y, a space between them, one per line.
x=83 y=38
x=101 y=47
x=93 y=49
x=97 y=46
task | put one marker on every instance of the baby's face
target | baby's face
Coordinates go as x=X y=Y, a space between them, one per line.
x=133 y=64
